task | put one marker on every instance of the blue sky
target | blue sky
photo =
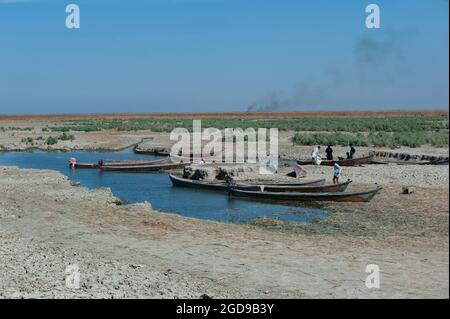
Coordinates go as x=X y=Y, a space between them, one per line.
x=222 y=55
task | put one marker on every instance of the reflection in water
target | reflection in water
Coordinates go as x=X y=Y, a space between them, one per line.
x=157 y=188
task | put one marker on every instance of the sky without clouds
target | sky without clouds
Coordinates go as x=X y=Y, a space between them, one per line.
x=222 y=55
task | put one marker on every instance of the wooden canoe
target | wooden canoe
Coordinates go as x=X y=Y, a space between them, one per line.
x=153 y=152
x=134 y=163
x=190 y=157
x=223 y=186
x=85 y=165
x=331 y=188
x=413 y=162
x=181 y=157
x=219 y=185
x=360 y=196
x=345 y=162
x=143 y=168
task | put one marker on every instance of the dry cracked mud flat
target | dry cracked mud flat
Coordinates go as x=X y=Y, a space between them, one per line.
x=132 y=251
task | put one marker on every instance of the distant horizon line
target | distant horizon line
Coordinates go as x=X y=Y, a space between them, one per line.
x=277 y=114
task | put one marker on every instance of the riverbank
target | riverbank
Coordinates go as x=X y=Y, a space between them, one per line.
x=20 y=139
x=411 y=132
x=46 y=224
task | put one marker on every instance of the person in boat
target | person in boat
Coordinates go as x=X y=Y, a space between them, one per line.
x=352 y=151
x=315 y=156
x=72 y=162
x=337 y=172
x=229 y=180
x=329 y=152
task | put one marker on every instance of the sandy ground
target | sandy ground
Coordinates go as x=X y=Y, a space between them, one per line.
x=47 y=224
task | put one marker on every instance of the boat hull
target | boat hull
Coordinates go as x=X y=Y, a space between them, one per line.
x=134 y=163
x=345 y=162
x=365 y=196
x=142 y=168
x=223 y=186
x=85 y=165
x=333 y=188
x=218 y=186
x=155 y=153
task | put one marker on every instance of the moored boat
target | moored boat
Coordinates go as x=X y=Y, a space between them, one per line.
x=179 y=156
x=151 y=152
x=210 y=185
x=313 y=185
x=84 y=165
x=331 y=188
x=344 y=162
x=143 y=167
x=359 y=196
x=132 y=163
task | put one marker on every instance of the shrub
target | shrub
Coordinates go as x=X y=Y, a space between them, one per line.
x=51 y=140
x=66 y=137
x=27 y=140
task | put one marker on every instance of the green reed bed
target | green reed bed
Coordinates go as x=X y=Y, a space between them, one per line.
x=393 y=131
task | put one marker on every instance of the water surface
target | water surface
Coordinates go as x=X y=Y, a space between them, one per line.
x=157 y=189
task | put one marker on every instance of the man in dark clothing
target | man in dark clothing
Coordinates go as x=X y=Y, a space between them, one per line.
x=329 y=152
x=352 y=151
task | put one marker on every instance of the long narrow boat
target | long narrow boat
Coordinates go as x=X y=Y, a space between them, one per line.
x=314 y=185
x=190 y=157
x=403 y=162
x=85 y=165
x=132 y=163
x=190 y=183
x=143 y=168
x=314 y=182
x=331 y=188
x=151 y=152
x=115 y=163
x=183 y=157
x=361 y=196
x=345 y=162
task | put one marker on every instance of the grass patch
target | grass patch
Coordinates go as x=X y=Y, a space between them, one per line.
x=354 y=125
x=13 y=128
x=394 y=131
x=380 y=139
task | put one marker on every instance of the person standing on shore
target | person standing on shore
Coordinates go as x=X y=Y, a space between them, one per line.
x=337 y=172
x=352 y=151
x=329 y=152
x=315 y=156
